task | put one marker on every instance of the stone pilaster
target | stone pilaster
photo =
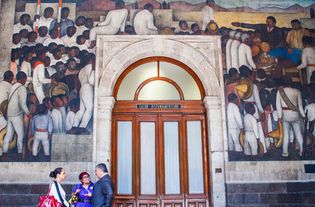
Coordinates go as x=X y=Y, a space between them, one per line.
x=7 y=12
x=216 y=150
x=103 y=130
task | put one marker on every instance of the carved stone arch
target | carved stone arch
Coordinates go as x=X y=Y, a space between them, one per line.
x=121 y=58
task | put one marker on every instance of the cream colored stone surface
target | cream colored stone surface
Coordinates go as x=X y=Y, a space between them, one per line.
x=6 y=30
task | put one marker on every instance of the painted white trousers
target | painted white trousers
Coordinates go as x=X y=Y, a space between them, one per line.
x=40 y=137
x=233 y=138
x=39 y=92
x=102 y=30
x=291 y=119
x=15 y=123
x=250 y=144
x=85 y=113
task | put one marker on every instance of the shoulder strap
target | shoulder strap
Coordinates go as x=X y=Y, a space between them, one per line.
x=13 y=93
x=59 y=195
x=287 y=100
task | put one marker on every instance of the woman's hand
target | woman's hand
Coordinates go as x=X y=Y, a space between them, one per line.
x=88 y=195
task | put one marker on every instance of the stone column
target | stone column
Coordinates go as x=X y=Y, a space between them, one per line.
x=103 y=131
x=7 y=13
x=216 y=150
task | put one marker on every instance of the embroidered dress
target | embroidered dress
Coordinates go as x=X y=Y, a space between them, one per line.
x=83 y=200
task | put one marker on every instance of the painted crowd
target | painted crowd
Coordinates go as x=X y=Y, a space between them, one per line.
x=49 y=87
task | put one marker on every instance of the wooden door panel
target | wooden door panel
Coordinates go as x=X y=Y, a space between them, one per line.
x=148 y=203
x=172 y=203
x=124 y=203
x=197 y=203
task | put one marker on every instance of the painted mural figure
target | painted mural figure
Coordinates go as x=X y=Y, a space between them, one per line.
x=42 y=128
x=144 y=21
x=235 y=123
x=16 y=109
x=207 y=13
x=64 y=79
x=290 y=111
x=308 y=60
x=115 y=21
x=64 y=24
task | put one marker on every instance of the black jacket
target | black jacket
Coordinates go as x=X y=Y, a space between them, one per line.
x=103 y=191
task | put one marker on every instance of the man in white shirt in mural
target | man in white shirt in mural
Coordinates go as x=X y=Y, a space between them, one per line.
x=228 y=49
x=86 y=77
x=234 y=50
x=23 y=24
x=115 y=21
x=308 y=60
x=290 y=110
x=39 y=78
x=5 y=87
x=245 y=52
x=251 y=131
x=235 y=123
x=207 y=14
x=144 y=21
x=16 y=110
x=254 y=98
x=46 y=19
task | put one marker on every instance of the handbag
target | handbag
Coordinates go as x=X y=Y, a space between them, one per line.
x=48 y=200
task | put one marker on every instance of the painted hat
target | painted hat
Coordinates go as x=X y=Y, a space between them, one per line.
x=245 y=88
x=60 y=88
x=12 y=144
x=232 y=34
x=265 y=47
x=244 y=36
x=277 y=134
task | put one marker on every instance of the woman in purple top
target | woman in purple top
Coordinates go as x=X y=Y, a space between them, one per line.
x=84 y=190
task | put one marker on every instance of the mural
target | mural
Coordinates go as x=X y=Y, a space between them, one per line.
x=47 y=95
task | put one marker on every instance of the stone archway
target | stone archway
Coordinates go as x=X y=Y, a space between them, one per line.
x=201 y=53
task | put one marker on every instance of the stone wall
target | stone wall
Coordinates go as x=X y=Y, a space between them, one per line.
x=287 y=194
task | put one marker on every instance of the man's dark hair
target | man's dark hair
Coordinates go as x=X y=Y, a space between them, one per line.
x=245 y=71
x=232 y=97
x=295 y=21
x=65 y=9
x=120 y=4
x=233 y=72
x=307 y=40
x=148 y=6
x=20 y=75
x=248 y=107
x=102 y=166
x=272 y=18
x=41 y=109
x=8 y=75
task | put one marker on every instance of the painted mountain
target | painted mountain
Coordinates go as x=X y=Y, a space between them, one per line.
x=98 y=5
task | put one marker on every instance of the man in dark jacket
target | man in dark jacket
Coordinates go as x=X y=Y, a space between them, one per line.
x=103 y=188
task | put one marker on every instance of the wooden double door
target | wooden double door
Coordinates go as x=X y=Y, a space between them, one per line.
x=160 y=160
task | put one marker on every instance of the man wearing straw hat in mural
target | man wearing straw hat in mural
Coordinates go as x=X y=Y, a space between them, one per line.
x=251 y=95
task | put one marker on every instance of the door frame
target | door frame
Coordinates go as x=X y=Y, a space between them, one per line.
x=188 y=110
